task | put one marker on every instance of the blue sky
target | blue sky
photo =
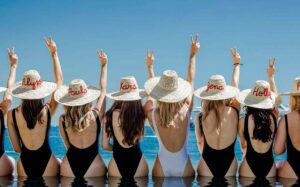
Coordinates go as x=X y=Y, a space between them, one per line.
x=126 y=29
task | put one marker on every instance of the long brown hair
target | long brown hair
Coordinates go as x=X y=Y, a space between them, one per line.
x=132 y=120
x=31 y=110
x=76 y=116
x=168 y=112
x=262 y=123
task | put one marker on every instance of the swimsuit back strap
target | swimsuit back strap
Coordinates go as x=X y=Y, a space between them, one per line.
x=246 y=132
x=65 y=129
x=286 y=125
x=15 y=124
x=2 y=128
x=154 y=123
x=48 y=122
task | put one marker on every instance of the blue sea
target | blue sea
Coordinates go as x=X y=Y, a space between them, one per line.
x=150 y=148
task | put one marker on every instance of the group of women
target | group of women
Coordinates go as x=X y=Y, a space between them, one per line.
x=216 y=127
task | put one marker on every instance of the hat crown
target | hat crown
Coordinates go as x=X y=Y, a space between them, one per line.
x=296 y=85
x=77 y=88
x=261 y=90
x=31 y=80
x=168 y=80
x=128 y=84
x=216 y=84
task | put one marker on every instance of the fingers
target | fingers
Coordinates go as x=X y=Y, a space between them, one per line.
x=194 y=40
x=231 y=51
x=197 y=38
x=191 y=38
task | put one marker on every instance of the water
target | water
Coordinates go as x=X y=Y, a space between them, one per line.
x=149 y=146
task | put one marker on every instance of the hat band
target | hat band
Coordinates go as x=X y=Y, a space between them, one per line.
x=77 y=93
x=26 y=83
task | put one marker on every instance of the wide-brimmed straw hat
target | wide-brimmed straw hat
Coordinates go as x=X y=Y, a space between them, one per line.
x=129 y=90
x=32 y=87
x=259 y=96
x=77 y=93
x=216 y=89
x=296 y=88
x=168 y=87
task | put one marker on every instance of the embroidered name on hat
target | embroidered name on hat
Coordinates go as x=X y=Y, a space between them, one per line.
x=258 y=91
x=82 y=90
x=26 y=82
x=124 y=86
x=214 y=87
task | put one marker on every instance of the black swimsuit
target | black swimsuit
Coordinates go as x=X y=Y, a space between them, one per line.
x=81 y=159
x=127 y=159
x=217 y=160
x=293 y=155
x=259 y=163
x=2 y=130
x=34 y=161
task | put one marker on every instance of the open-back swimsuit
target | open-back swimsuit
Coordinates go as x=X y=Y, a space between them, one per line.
x=259 y=163
x=34 y=161
x=293 y=155
x=217 y=160
x=127 y=159
x=81 y=159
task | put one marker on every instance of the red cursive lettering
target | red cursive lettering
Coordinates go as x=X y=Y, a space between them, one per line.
x=128 y=86
x=77 y=92
x=214 y=87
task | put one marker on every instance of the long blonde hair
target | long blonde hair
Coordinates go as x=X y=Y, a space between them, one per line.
x=168 y=112
x=76 y=116
x=295 y=103
x=210 y=105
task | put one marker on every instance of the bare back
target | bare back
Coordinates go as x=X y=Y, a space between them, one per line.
x=226 y=135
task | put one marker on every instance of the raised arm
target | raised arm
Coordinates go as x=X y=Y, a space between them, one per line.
x=58 y=75
x=101 y=103
x=150 y=101
x=7 y=98
x=195 y=46
x=271 y=73
x=236 y=60
x=105 y=142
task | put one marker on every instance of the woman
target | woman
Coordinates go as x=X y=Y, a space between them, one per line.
x=80 y=125
x=258 y=128
x=29 y=123
x=170 y=121
x=287 y=138
x=6 y=162
x=216 y=126
x=124 y=123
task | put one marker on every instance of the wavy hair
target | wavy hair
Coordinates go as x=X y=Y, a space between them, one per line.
x=76 y=116
x=295 y=103
x=262 y=123
x=212 y=106
x=132 y=120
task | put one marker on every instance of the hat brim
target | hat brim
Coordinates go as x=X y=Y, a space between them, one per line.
x=127 y=96
x=2 y=89
x=246 y=99
x=227 y=93
x=290 y=93
x=42 y=91
x=62 y=97
x=183 y=90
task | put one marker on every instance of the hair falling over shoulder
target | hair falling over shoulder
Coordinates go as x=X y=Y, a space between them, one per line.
x=295 y=103
x=213 y=106
x=168 y=112
x=131 y=118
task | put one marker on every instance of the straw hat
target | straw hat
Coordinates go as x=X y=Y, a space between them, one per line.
x=168 y=87
x=32 y=87
x=129 y=91
x=259 y=96
x=296 y=88
x=216 y=89
x=76 y=94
